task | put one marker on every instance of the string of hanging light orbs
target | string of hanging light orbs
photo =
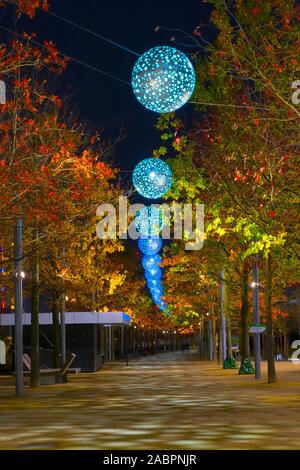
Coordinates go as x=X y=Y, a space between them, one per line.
x=152 y=178
x=148 y=222
x=163 y=80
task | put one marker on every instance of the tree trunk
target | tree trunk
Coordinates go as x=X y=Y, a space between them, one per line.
x=228 y=337
x=230 y=362
x=210 y=340
x=35 y=328
x=264 y=347
x=245 y=350
x=134 y=339
x=140 y=341
x=285 y=344
x=269 y=333
x=56 y=334
x=214 y=339
x=227 y=322
x=280 y=344
x=219 y=340
x=202 y=339
x=246 y=366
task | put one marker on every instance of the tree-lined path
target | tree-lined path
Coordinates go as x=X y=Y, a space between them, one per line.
x=169 y=400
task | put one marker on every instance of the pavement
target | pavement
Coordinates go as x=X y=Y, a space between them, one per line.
x=165 y=401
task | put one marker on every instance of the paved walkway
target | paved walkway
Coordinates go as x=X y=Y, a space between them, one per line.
x=167 y=401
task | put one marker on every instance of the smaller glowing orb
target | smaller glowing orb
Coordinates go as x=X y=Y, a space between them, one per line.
x=153 y=273
x=149 y=262
x=149 y=221
x=150 y=246
x=152 y=178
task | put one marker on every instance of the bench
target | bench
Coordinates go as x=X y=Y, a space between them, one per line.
x=56 y=376
x=52 y=376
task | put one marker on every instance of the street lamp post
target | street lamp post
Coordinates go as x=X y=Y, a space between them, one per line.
x=210 y=339
x=200 y=336
x=125 y=346
x=222 y=319
x=63 y=347
x=18 y=308
x=255 y=286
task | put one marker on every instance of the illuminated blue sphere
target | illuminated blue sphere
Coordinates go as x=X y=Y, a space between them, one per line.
x=152 y=178
x=153 y=273
x=150 y=246
x=163 y=79
x=152 y=283
x=149 y=221
x=149 y=262
x=157 y=296
x=157 y=290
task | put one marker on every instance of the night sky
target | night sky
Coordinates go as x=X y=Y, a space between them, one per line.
x=104 y=102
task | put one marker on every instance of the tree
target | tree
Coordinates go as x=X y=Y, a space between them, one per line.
x=53 y=170
x=240 y=157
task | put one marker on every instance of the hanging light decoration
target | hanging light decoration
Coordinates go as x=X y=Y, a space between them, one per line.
x=157 y=300
x=156 y=296
x=152 y=178
x=153 y=273
x=163 y=79
x=149 y=262
x=151 y=283
x=150 y=246
x=156 y=290
x=149 y=221
x=162 y=305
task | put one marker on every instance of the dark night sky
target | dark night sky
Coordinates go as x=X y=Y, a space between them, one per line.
x=102 y=101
